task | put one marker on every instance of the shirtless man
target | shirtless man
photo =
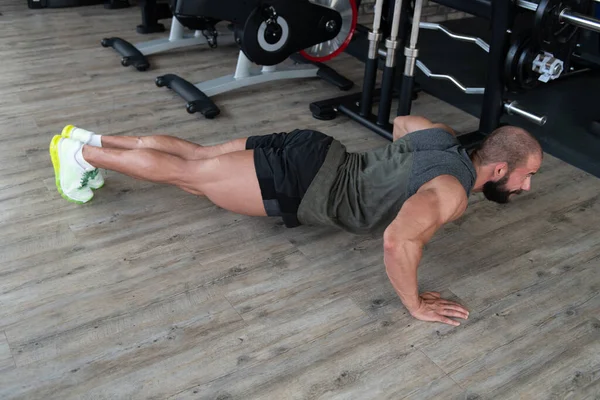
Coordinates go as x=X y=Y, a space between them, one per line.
x=405 y=190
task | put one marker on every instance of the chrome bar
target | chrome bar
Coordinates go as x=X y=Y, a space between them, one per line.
x=513 y=108
x=392 y=43
x=464 y=38
x=411 y=51
x=580 y=20
x=467 y=90
x=568 y=16
x=529 y=5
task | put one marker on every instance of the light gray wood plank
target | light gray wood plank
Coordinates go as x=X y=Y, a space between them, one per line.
x=21 y=238
x=6 y=358
x=497 y=327
x=361 y=360
x=555 y=257
x=108 y=349
x=535 y=367
x=209 y=358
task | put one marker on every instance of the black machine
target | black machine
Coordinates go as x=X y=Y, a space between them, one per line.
x=532 y=49
x=112 y=4
x=268 y=32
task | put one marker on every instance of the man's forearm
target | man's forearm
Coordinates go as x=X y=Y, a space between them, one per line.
x=401 y=264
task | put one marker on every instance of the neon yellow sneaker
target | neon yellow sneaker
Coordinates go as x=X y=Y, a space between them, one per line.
x=83 y=136
x=71 y=178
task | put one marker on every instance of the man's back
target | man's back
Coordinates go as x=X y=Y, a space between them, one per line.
x=363 y=192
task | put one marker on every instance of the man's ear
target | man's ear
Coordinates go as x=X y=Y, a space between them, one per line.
x=500 y=171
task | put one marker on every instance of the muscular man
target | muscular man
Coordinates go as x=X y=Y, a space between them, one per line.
x=405 y=190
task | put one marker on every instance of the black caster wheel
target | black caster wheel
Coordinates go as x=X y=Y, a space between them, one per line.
x=211 y=113
x=160 y=81
x=325 y=116
x=125 y=61
x=105 y=42
x=190 y=108
x=142 y=67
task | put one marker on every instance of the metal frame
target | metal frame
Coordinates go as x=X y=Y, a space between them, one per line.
x=357 y=107
x=198 y=96
x=178 y=38
x=249 y=74
x=135 y=54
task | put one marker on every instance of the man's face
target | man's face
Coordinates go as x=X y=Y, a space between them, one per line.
x=513 y=182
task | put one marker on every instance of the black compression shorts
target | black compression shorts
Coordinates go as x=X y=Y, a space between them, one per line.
x=286 y=164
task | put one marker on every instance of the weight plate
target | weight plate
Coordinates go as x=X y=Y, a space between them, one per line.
x=518 y=72
x=325 y=51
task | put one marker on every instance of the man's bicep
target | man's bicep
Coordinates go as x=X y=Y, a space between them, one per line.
x=418 y=219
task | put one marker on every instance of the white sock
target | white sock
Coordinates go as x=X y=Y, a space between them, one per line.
x=96 y=140
x=87 y=137
x=81 y=161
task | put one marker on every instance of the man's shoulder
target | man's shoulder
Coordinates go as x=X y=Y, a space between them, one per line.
x=449 y=190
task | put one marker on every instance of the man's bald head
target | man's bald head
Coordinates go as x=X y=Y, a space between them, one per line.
x=509 y=144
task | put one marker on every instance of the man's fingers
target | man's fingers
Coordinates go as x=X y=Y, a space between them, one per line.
x=458 y=308
x=450 y=302
x=448 y=321
x=452 y=313
x=437 y=295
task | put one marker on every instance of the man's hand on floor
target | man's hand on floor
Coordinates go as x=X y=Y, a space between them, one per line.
x=435 y=309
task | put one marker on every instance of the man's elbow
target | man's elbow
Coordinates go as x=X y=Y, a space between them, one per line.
x=390 y=241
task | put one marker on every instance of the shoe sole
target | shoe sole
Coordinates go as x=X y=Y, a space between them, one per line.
x=56 y=164
x=66 y=133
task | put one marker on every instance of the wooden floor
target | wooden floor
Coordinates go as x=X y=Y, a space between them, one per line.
x=150 y=293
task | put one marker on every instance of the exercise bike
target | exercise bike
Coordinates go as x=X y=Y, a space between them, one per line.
x=203 y=32
x=278 y=39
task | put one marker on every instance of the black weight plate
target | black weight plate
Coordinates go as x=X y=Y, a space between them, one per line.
x=526 y=78
x=518 y=73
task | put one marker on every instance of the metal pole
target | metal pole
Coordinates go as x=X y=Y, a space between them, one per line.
x=491 y=110
x=528 y=5
x=372 y=63
x=513 y=108
x=389 y=72
x=568 y=16
x=580 y=20
x=411 y=54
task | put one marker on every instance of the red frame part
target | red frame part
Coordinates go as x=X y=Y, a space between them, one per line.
x=343 y=46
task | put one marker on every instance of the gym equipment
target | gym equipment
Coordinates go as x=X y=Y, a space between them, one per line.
x=205 y=33
x=269 y=33
x=246 y=74
x=526 y=65
x=152 y=12
x=559 y=20
x=111 y=4
x=358 y=106
x=493 y=103
x=330 y=49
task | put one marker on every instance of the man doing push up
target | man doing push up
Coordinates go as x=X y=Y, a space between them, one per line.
x=405 y=190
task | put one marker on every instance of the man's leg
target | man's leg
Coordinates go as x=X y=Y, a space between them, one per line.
x=228 y=180
x=173 y=145
x=167 y=144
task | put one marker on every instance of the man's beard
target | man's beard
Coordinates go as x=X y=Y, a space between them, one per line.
x=496 y=191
